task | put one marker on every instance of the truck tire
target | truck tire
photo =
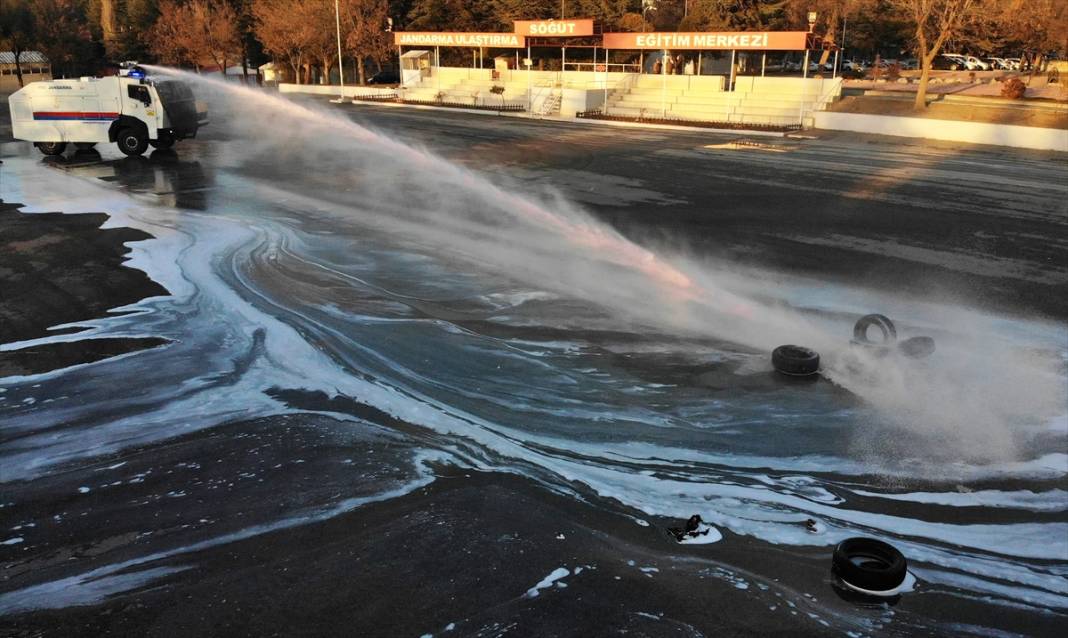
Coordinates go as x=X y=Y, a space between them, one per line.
x=885 y=326
x=163 y=142
x=795 y=361
x=132 y=141
x=869 y=564
x=51 y=148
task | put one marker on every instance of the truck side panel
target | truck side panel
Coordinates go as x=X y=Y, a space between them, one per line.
x=61 y=116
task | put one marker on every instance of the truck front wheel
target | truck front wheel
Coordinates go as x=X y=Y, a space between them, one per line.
x=132 y=141
x=164 y=141
x=51 y=148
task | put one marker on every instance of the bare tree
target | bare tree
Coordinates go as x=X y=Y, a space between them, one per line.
x=17 y=30
x=322 y=44
x=282 y=28
x=934 y=21
x=216 y=34
x=171 y=39
x=62 y=33
x=367 y=38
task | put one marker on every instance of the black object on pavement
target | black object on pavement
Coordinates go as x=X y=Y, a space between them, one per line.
x=795 y=360
x=870 y=565
x=692 y=529
x=917 y=347
x=883 y=323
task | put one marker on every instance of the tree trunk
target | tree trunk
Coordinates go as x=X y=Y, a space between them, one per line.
x=327 y=65
x=921 y=91
x=18 y=66
x=244 y=60
x=360 y=70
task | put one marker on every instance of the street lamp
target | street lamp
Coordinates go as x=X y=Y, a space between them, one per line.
x=340 y=61
x=812 y=15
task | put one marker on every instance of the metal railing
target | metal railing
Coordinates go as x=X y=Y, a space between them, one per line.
x=601 y=67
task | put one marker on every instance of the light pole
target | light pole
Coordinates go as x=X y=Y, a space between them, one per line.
x=340 y=61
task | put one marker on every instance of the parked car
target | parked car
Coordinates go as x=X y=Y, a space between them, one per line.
x=910 y=64
x=385 y=77
x=998 y=63
x=975 y=64
x=949 y=62
x=1014 y=63
x=853 y=65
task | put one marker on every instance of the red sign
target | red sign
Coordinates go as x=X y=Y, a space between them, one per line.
x=446 y=39
x=554 y=28
x=752 y=41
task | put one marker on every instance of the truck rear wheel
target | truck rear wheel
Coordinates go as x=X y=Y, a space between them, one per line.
x=164 y=141
x=51 y=148
x=132 y=141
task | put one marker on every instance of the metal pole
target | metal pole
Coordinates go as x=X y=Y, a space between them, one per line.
x=834 y=73
x=663 y=83
x=340 y=62
x=700 y=58
x=805 y=70
x=605 y=110
x=730 y=86
x=763 y=63
x=845 y=25
x=530 y=92
x=437 y=67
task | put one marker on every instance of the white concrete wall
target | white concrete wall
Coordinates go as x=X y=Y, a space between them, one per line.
x=573 y=101
x=349 y=91
x=949 y=130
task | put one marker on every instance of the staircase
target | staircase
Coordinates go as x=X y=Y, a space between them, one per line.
x=754 y=100
x=549 y=106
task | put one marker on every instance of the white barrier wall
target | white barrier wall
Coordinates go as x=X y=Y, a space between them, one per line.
x=321 y=89
x=1045 y=139
x=574 y=101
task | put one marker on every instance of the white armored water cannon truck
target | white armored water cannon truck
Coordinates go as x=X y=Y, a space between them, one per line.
x=128 y=109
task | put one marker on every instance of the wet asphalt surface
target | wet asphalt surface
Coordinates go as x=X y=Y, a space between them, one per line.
x=459 y=555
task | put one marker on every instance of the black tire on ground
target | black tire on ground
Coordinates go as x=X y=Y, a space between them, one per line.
x=869 y=564
x=164 y=141
x=84 y=146
x=917 y=347
x=132 y=141
x=860 y=330
x=51 y=148
x=795 y=360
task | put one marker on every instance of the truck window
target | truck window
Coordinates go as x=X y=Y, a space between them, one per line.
x=140 y=93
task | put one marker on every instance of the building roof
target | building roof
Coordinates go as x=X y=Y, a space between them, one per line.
x=33 y=57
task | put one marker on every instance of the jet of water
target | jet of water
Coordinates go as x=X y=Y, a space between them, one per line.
x=981 y=398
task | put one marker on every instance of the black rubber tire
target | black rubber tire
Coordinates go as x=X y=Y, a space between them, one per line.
x=869 y=564
x=51 y=148
x=132 y=141
x=795 y=360
x=84 y=146
x=860 y=330
x=917 y=347
x=162 y=142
